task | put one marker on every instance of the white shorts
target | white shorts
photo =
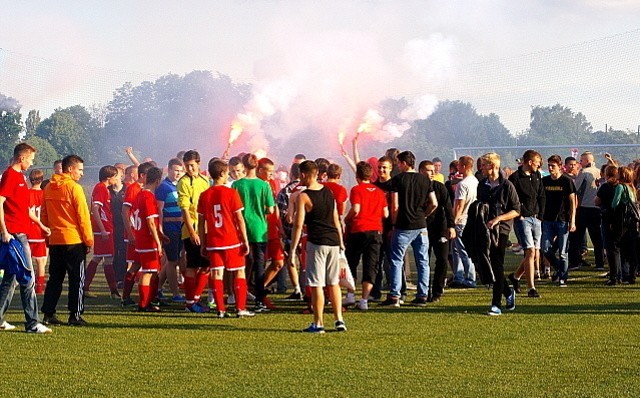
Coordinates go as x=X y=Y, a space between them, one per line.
x=323 y=267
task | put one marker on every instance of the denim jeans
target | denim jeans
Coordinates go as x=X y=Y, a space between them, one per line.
x=464 y=271
x=27 y=292
x=558 y=231
x=400 y=241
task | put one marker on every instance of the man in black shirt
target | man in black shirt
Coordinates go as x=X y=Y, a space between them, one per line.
x=413 y=200
x=559 y=217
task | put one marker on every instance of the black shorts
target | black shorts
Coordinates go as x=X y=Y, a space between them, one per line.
x=194 y=259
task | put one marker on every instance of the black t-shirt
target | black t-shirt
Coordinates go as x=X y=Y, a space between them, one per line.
x=557 y=193
x=386 y=188
x=413 y=190
x=321 y=229
x=606 y=193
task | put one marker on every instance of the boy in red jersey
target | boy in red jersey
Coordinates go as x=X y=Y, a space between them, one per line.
x=368 y=208
x=37 y=231
x=224 y=234
x=148 y=244
x=102 y=225
x=132 y=258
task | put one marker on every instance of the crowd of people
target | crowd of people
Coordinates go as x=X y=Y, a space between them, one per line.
x=241 y=225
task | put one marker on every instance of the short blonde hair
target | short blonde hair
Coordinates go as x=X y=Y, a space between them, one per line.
x=491 y=158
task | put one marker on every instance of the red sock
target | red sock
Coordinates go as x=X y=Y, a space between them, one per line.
x=127 y=286
x=202 y=278
x=144 y=293
x=40 y=284
x=110 y=275
x=89 y=273
x=189 y=288
x=153 y=285
x=218 y=293
x=240 y=289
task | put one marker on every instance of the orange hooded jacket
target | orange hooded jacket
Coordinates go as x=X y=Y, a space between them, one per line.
x=66 y=213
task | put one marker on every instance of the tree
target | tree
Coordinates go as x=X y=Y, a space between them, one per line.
x=10 y=126
x=31 y=123
x=46 y=154
x=67 y=131
x=557 y=125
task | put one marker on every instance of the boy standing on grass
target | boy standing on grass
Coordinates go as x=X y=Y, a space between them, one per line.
x=145 y=222
x=315 y=207
x=102 y=225
x=37 y=230
x=224 y=233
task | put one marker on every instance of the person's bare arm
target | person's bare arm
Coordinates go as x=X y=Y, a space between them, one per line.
x=572 y=212
x=34 y=217
x=95 y=213
x=432 y=204
x=132 y=157
x=154 y=233
x=6 y=236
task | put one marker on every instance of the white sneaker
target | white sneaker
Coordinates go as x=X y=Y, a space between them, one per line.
x=245 y=314
x=362 y=305
x=6 y=326
x=349 y=300
x=231 y=299
x=40 y=329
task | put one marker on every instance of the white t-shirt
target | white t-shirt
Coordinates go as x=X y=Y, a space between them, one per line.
x=466 y=190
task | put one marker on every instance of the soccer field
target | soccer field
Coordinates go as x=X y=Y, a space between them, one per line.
x=575 y=342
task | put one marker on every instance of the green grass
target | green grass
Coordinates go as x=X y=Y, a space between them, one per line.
x=575 y=342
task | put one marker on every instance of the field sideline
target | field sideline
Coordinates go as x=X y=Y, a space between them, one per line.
x=575 y=342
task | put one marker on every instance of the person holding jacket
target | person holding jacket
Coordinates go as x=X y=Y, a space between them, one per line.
x=504 y=205
x=66 y=213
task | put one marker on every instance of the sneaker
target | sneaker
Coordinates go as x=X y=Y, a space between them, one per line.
x=40 y=329
x=294 y=296
x=511 y=301
x=435 y=298
x=88 y=294
x=51 y=320
x=573 y=267
x=149 y=308
x=419 y=301
x=178 y=299
x=362 y=305
x=73 y=321
x=212 y=305
x=260 y=307
x=115 y=296
x=411 y=286
x=161 y=296
x=515 y=282
x=340 y=326
x=231 y=300
x=196 y=308
x=611 y=282
x=223 y=314
x=6 y=326
x=267 y=302
x=314 y=329
x=402 y=299
x=533 y=293
x=390 y=302
x=494 y=311
x=349 y=300
x=245 y=314
x=128 y=302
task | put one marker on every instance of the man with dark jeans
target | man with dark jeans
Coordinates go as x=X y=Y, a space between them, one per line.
x=441 y=227
x=66 y=213
x=587 y=215
x=504 y=206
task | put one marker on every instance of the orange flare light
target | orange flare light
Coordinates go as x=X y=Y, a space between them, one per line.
x=260 y=153
x=235 y=132
x=341 y=136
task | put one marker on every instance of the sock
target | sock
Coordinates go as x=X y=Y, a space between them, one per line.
x=89 y=273
x=202 y=278
x=110 y=275
x=144 y=292
x=40 y=284
x=127 y=286
x=240 y=289
x=218 y=293
x=153 y=285
x=189 y=288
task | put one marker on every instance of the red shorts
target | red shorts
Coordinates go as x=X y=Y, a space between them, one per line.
x=229 y=259
x=38 y=249
x=149 y=261
x=132 y=254
x=275 y=252
x=101 y=247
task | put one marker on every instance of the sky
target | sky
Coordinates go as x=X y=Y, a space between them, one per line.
x=336 y=57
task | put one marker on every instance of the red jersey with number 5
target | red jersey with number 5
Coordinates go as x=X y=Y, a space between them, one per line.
x=217 y=205
x=144 y=208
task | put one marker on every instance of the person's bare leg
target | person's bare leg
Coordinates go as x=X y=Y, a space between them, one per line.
x=317 y=301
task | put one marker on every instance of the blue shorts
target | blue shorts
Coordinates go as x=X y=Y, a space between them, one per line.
x=528 y=231
x=172 y=249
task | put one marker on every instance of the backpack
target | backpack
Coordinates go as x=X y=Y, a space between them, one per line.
x=627 y=214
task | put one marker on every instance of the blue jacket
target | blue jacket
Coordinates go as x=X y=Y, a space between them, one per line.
x=13 y=261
